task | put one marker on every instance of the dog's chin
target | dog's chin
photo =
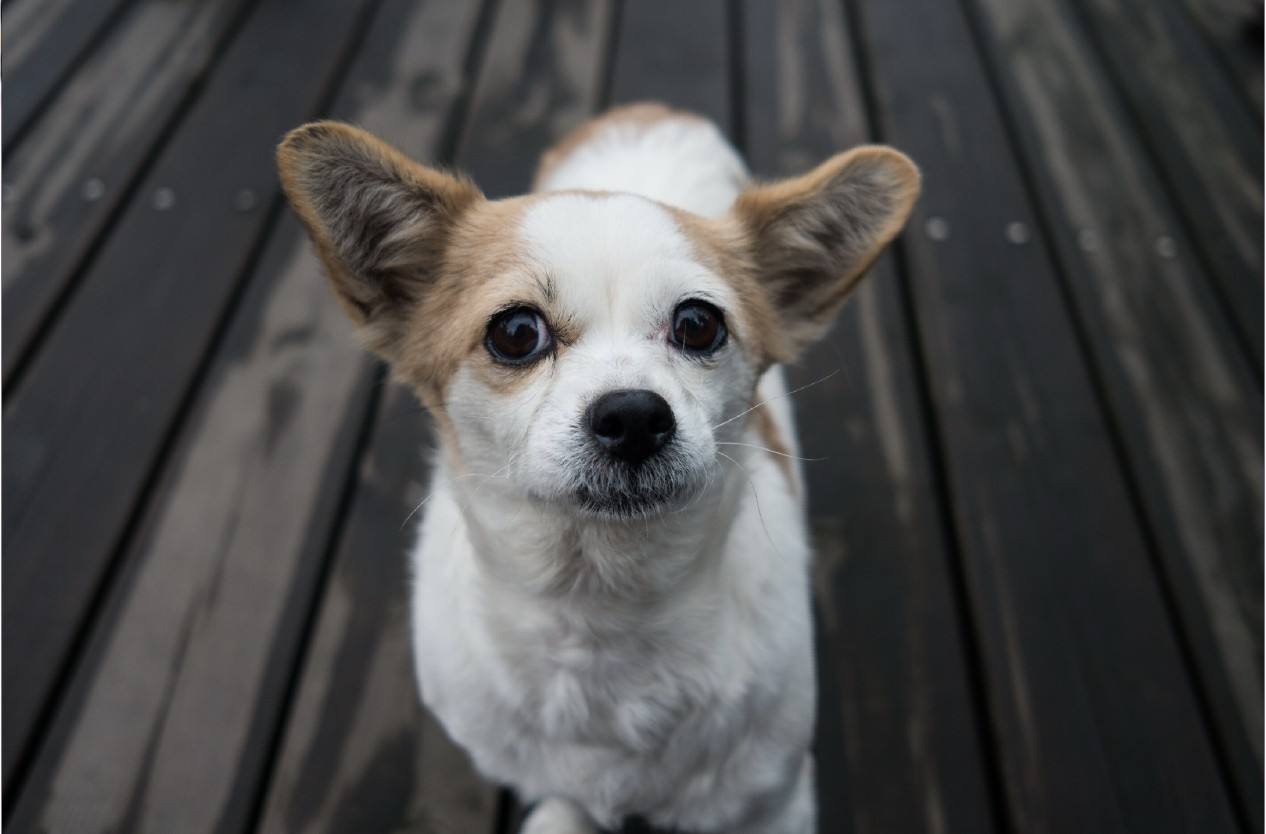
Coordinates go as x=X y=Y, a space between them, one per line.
x=630 y=497
x=621 y=506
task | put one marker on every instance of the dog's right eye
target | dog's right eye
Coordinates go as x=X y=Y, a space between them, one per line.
x=518 y=336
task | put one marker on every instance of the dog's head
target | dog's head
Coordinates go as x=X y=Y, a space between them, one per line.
x=588 y=349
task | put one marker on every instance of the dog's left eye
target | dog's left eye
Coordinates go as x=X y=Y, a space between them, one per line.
x=698 y=327
x=518 y=336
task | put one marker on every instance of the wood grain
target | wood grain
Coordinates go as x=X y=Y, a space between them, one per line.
x=89 y=422
x=1093 y=707
x=677 y=53
x=1209 y=145
x=42 y=43
x=1234 y=29
x=201 y=635
x=543 y=75
x=77 y=163
x=1184 y=399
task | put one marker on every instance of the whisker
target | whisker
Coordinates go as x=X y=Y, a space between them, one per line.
x=771 y=451
x=494 y=475
x=759 y=512
x=779 y=397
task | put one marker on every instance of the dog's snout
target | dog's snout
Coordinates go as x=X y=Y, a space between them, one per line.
x=632 y=424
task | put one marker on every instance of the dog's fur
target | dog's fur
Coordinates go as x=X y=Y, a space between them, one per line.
x=648 y=651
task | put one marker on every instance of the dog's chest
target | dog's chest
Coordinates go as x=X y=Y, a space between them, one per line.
x=629 y=692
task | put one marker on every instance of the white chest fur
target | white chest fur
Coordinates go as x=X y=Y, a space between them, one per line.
x=689 y=697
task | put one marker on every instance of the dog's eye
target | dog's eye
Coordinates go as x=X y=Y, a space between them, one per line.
x=698 y=327
x=518 y=336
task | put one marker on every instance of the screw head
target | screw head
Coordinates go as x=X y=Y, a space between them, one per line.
x=937 y=228
x=244 y=200
x=93 y=189
x=1018 y=233
x=164 y=199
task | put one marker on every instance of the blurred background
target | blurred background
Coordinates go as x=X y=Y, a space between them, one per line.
x=1039 y=514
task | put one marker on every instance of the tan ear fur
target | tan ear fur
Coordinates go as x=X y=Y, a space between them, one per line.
x=379 y=220
x=814 y=236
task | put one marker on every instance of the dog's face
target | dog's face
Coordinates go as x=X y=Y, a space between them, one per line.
x=589 y=350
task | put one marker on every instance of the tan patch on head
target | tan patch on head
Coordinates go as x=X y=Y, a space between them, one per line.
x=485 y=268
x=724 y=247
x=642 y=113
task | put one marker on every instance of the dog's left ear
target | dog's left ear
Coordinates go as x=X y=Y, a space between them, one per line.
x=815 y=235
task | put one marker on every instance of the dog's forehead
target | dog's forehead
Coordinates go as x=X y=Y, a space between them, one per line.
x=608 y=253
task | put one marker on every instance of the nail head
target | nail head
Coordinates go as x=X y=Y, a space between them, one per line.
x=1088 y=240
x=244 y=200
x=937 y=228
x=93 y=189
x=164 y=199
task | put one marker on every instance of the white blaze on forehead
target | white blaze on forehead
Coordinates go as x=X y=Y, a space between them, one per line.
x=617 y=261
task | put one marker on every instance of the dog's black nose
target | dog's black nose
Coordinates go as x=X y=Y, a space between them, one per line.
x=632 y=425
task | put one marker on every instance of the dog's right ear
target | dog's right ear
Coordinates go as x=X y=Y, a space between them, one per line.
x=380 y=221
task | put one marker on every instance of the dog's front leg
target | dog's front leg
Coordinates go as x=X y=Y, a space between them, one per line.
x=557 y=816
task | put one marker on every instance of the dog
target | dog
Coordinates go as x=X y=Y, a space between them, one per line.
x=610 y=593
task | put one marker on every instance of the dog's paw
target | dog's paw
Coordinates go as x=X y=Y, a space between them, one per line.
x=557 y=816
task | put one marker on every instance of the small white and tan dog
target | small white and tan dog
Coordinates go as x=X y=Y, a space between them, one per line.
x=611 y=601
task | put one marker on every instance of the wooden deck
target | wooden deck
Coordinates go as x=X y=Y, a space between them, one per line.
x=1039 y=520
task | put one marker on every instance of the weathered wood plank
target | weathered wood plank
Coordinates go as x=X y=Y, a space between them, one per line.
x=1092 y=705
x=360 y=752
x=543 y=77
x=222 y=578
x=73 y=171
x=678 y=53
x=88 y=423
x=1210 y=147
x=1185 y=401
x=1234 y=28
x=42 y=43
x=898 y=741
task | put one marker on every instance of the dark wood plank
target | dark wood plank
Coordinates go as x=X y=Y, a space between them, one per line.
x=1093 y=707
x=1210 y=146
x=86 y=427
x=42 y=43
x=75 y=168
x=544 y=76
x=361 y=754
x=898 y=741
x=1188 y=409
x=678 y=53
x=223 y=576
x=1234 y=30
